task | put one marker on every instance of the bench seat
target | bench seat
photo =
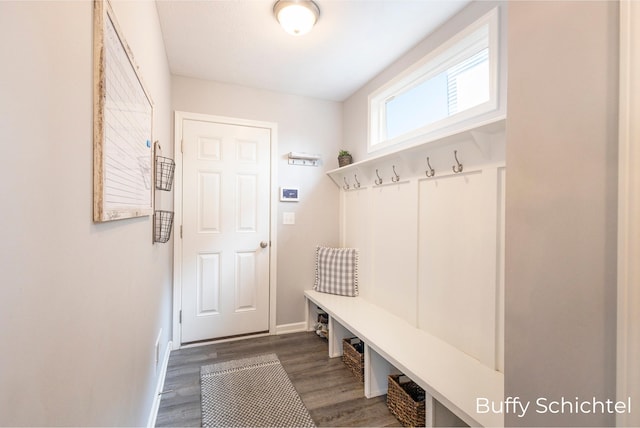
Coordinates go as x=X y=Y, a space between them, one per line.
x=449 y=375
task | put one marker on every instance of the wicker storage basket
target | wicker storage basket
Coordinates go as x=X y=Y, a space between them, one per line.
x=406 y=401
x=352 y=357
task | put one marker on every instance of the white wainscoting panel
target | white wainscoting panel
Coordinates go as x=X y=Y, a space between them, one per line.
x=432 y=247
x=458 y=224
x=357 y=234
x=394 y=248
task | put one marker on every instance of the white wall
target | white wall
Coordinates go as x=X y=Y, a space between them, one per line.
x=81 y=304
x=561 y=206
x=304 y=125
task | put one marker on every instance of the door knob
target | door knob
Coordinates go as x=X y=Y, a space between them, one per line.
x=264 y=244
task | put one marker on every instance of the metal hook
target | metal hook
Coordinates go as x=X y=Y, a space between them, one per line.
x=357 y=185
x=397 y=177
x=457 y=168
x=379 y=179
x=430 y=172
x=346 y=184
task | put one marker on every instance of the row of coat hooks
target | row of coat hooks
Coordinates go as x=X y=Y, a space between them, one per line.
x=430 y=172
x=394 y=179
x=378 y=180
x=457 y=168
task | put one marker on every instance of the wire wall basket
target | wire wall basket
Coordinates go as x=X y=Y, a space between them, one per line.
x=162 y=223
x=164 y=173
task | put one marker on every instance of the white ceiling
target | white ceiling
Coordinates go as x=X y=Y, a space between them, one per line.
x=240 y=42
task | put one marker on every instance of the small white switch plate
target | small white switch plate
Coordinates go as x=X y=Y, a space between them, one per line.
x=288 y=218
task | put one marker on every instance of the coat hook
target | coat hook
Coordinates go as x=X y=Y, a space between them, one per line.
x=457 y=168
x=430 y=172
x=357 y=185
x=346 y=184
x=379 y=179
x=397 y=177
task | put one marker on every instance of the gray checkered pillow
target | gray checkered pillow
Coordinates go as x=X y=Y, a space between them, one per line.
x=337 y=271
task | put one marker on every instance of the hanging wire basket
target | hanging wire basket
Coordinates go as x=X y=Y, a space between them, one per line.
x=162 y=223
x=164 y=172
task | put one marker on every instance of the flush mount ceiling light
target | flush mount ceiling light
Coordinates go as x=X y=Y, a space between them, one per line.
x=297 y=17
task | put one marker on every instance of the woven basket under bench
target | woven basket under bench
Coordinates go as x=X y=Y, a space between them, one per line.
x=406 y=401
x=352 y=357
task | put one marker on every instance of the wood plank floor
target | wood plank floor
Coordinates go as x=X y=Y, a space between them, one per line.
x=332 y=394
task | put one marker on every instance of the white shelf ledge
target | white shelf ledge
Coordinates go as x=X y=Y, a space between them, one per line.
x=479 y=135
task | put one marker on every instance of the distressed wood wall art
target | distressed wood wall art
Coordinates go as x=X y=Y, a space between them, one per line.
x=122 y=126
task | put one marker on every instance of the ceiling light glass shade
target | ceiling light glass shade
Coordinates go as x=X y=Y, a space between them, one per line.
x=296 y=17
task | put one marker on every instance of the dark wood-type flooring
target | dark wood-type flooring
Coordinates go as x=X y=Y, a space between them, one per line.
x=329 y=390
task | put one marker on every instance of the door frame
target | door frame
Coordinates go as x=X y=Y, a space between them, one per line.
x=179 y=117
x=628 y=346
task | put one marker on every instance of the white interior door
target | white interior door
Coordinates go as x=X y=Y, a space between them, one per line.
x=226 y=230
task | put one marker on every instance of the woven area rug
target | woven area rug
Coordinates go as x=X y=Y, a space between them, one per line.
x=250 y=392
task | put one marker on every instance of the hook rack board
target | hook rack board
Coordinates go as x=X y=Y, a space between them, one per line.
x=466 y=150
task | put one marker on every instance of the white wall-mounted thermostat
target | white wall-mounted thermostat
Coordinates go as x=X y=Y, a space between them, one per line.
x=289 y=194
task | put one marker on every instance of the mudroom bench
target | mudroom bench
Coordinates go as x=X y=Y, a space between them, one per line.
x=447 y=374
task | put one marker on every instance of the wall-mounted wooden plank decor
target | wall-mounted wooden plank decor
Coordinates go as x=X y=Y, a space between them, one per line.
x=122 y=126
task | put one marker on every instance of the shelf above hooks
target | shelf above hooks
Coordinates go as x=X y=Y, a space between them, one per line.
x=306 y=159
x=477 y=143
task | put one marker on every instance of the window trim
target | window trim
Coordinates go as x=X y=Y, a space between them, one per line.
x=429 y=66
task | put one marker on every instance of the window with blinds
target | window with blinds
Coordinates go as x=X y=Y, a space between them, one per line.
x=468 y=83
x=455 y=83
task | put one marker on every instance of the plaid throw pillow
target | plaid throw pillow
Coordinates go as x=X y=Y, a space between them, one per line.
x=337 y=271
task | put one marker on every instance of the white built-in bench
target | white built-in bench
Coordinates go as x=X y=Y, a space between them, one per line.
x=449 y=375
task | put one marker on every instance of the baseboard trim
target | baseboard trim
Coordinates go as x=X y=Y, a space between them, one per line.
x=153 y=415
x=291 y=328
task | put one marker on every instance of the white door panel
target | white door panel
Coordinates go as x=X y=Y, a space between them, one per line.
x=225 y=215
